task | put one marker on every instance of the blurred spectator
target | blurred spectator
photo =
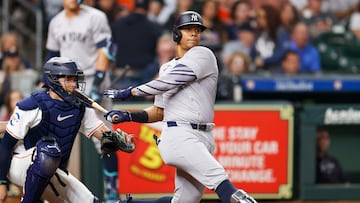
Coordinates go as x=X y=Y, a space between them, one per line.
x=289 y=16
x=237 y=65
x=10 y=42
x=215 y=35
x=328 y=168
x=290 y=65
x=241 y=13
x=354 y=23
x=342 y=9
x=135 y=36
x=12 y=61
x=110 y=8
x=16 y=74
x=317 y=20
x=22 y=16
x=128 y=4
x=274 y=3
x=309 y=55
x=269 y=46
x=244 y=43
x=224 y=11
x=11 y=99
x=181 y=6
x=5 y=86
x=299 y=4
x=165 y=51
x=229 y=79
x=169 y=7
x=155 y=8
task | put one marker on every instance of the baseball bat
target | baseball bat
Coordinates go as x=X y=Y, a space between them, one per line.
x=87 y=100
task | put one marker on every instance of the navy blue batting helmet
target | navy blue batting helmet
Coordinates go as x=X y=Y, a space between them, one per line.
x=186 y=18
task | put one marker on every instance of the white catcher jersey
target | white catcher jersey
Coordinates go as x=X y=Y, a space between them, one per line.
x=80 y=37
x=195 y=101
x=22 y=120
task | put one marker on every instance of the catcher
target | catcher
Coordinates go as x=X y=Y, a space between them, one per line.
x=39 y=136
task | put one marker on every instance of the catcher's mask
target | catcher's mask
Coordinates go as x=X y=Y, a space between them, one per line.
x=61 y=67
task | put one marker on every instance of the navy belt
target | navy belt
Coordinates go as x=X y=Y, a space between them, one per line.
x=195 y=126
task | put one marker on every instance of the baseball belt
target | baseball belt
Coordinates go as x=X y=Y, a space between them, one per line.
x=195 y=126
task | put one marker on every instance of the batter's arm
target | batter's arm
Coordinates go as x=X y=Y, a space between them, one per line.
x=102 y=62
x=155 y=114
x=148 y=115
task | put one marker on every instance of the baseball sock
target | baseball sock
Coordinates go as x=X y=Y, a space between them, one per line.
x=111 y=177
x=225 y=191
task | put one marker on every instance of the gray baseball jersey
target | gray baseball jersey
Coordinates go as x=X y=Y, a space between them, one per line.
x=80 y=37
x=185 y=103
x=186 y=89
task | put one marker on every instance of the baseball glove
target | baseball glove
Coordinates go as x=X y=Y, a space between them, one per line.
x=112 y=141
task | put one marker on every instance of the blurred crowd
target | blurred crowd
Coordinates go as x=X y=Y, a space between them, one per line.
x=280 y=37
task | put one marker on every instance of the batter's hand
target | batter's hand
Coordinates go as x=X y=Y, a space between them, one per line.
x=122 y=116
x=118 y=94
x=3 y=193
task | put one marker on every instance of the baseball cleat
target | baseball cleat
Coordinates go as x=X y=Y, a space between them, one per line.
x=126 y=200
x=240 y=196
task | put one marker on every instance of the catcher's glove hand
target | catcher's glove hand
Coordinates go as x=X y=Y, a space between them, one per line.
x=112 y=141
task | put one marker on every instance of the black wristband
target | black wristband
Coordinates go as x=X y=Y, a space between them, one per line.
x=139 y=116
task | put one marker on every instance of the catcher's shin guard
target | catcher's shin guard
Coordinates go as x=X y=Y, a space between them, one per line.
x=46 y=161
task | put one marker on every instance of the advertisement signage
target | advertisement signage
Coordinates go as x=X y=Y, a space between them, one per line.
x=254 y=143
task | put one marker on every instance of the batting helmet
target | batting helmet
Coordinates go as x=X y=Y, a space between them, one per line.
x=186 y=18
x=58 y=67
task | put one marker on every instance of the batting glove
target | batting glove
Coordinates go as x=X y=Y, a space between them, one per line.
x=115 y=116
x=95 y=93
x=118 y=94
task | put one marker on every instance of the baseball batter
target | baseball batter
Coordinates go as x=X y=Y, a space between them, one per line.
x=36 y=146
x=82 y=33
x=185 y=95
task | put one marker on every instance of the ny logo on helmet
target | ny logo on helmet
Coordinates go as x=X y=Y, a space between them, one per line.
x=194 y=17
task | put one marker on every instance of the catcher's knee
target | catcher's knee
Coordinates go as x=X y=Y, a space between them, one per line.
x=48 y=157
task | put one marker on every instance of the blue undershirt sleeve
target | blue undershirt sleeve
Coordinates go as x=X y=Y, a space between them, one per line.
x=6 y=152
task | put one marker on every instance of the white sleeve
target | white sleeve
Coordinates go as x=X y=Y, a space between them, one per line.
x=90 y=122
x=21 y=121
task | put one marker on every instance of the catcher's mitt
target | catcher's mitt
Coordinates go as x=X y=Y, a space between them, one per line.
x=112 y=141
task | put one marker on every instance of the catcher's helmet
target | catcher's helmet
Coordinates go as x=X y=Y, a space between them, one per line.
x=58 y=67
x=186 y=18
